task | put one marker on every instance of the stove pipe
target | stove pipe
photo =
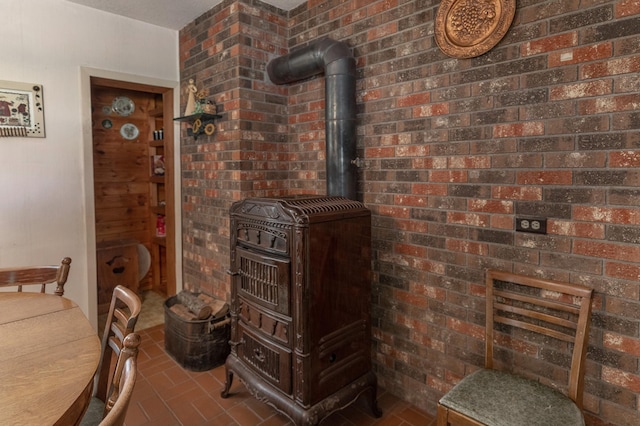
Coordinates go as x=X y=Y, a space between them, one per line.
x=337 y=62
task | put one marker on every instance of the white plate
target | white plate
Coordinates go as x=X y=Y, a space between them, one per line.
x=129 y=131
x=123 y=106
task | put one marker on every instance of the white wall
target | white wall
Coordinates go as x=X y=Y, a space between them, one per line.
x=46 y=188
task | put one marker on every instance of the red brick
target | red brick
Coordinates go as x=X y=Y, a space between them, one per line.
x=548 y=44
x=477 y=290
x=422 y=163
x=624 y=158
x=370 y=95
x=480 y=249
x=344 y=9
x=623 y=252
x=522 y=346
x=440 y=385
x=393 y=211
x=490 y=206
x=431 y=292
x=470 y=162
x=580 y=54
x=471 y=219
x=418 y=226
x=448 y=176
x=382 y=31
x=627 y=8
x=621 y=378
x=421 y=339
x=581 y=90
x=380 y=152
x=624 y=271
x=531 y=128
x=412 y=151
x=431 y=110
x=576 y=229
x=415 y=99
x=607 y=215
x=516 y=193
x=602 y=105
x=622 y=343
x=502 y=222
x=542 y=177
x=414 y=300
x=429 y=189
x=410 y=200
x=467 y=328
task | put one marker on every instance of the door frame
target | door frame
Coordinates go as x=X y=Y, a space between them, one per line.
x=132 y=82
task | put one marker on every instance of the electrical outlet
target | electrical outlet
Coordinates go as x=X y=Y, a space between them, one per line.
x=533 y=225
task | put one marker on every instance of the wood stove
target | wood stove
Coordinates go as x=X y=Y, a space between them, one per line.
x=300 y=304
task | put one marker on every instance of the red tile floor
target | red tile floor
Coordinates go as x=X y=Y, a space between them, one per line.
x=167 y=394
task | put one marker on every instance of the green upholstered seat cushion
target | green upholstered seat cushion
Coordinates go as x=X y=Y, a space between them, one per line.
x=497 y=398
x=93 y=416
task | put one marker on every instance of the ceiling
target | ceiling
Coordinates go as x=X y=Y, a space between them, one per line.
x=173 y=14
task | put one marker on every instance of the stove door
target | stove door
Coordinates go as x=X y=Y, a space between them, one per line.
x=271 y=361
x=264 y=280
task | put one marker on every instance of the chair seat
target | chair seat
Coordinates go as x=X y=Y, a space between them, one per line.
x=94 y=414
x=497 y=398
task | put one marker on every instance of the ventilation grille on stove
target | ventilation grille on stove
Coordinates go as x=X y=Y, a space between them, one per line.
x=259 y=280
x=313 y=205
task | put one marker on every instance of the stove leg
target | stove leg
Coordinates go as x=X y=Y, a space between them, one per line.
x=372 y=402
x=227 y=383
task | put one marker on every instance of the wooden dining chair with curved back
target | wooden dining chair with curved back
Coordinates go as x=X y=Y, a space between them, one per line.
x=37 y=275
x=536 y=333
x=114 y=411
x=124 y=379
x=121 y=320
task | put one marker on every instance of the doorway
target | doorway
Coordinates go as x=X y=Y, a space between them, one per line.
x=134 y=194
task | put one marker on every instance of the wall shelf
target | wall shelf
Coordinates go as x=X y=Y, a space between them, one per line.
x=201 y=123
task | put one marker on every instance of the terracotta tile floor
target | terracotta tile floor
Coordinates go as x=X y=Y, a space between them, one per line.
x=166 y=394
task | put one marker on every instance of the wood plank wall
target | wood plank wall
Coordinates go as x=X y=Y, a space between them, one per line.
x=122 y=167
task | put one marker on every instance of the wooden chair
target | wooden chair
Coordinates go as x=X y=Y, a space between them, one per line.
x=124 y=380
x=121 y=320
x=114 y=411
x=539 y=317
x=37 y=275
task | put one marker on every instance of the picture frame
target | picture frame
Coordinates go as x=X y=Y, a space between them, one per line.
x=21 y=110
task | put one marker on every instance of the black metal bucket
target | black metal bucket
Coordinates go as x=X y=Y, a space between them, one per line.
x=197 y=345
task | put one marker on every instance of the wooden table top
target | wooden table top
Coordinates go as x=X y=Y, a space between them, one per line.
x=49 y=354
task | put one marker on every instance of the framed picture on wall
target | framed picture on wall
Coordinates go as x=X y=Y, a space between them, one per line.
x=21 y=109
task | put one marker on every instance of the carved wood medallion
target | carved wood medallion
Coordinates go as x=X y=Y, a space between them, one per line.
x=469 y=28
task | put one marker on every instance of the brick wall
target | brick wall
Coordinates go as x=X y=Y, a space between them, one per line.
x=226 y=51
x=545 y=125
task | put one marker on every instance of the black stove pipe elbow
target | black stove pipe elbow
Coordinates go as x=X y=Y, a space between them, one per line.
x=337 y=62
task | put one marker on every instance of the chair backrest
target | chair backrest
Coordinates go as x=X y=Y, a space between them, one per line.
x=37 y=275
x=124 y=379
x=121 y=321
x=526 y=313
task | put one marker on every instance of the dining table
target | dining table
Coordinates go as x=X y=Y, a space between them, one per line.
x=49 y=353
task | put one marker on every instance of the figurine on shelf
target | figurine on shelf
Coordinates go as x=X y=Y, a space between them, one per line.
x=191 y=100
x=209 y=107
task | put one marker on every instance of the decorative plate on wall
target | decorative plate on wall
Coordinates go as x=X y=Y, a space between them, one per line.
x=129 y=131
x=469 y=28
x=123 y=106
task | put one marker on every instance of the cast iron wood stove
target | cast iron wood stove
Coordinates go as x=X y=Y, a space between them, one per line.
x=300 y=304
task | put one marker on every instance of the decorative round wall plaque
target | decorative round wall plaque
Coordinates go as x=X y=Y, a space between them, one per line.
x=123 y=106
x=469 y=28
x=129 y=131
